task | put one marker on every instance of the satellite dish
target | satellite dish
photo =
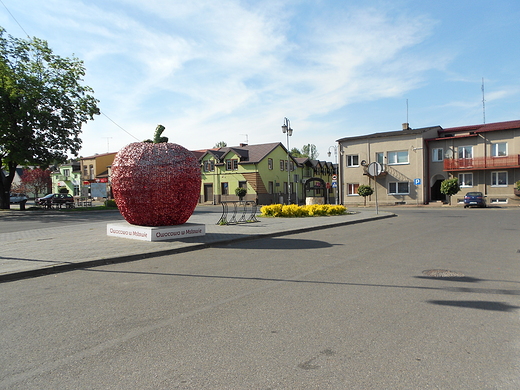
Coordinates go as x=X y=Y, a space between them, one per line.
x=448 y=154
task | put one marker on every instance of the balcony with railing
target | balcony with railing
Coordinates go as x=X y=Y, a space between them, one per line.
x=479 y=163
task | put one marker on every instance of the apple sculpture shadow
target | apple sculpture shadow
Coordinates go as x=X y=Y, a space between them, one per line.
x=156 y=183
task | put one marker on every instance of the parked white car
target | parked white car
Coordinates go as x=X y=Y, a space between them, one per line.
x=17 y=198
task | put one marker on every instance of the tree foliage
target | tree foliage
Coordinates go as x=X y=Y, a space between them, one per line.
x=450 y=186
x=295 y=152
x=310 y=151
x=220 y=144
x=37 y=181
x=43 y=106
x=364 y=191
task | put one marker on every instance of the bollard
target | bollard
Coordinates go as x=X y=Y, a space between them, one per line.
x=22 y=205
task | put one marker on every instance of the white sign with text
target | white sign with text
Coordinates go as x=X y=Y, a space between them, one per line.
x=155 y=233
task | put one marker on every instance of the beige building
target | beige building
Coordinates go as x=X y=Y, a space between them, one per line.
x=95 y=178
x=414 y=162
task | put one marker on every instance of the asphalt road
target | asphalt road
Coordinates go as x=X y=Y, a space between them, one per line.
x=341 y=308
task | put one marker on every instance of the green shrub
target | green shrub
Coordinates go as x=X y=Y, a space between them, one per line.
x=450 y=186
x=110 y=203
x=240 y=192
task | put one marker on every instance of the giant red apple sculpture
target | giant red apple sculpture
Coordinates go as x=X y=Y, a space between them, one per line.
x=156 y=183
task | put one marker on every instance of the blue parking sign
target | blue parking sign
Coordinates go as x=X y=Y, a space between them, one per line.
x=417 y=182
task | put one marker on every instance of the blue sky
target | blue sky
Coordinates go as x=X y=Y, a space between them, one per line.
x=229 y=70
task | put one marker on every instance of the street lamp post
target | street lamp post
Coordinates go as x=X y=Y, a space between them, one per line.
x=336 y=189
x=286 y=129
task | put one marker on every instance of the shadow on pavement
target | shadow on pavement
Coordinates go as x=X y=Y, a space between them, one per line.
x=482 y=305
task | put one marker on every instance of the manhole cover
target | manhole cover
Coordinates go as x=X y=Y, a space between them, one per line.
x=442 y=273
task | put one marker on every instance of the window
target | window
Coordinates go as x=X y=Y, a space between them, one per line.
x=270 y=163
x=438 y=154
x=85 y=170
x=225 y=189
x=466 y=179
x=352 y=160
x=66 y=172
x=292 y=166
x=286 y=163
x=352 y=189
x=380 y=158
x=209 y=166
x=242 y=184
x=399 y=188
x=499 y=149
x=399 y=157
x=231 y=165
x=282 y=165
x=465 y=151
x=499 y=179
x=271 y=187
x=91 y=168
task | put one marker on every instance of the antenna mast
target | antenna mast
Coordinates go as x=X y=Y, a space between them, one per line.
x=407 y=111
x=483 y=103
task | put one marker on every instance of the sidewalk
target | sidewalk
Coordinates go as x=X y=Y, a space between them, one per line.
x=42 y=251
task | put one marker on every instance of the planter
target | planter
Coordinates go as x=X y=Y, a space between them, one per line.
x=517 y=192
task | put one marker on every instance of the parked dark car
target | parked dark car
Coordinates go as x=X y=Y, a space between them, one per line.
x=17 y=198
x=474 y=199
x=57 y=200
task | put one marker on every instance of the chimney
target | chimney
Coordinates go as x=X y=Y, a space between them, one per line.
x=242 y=145
x=406 y=126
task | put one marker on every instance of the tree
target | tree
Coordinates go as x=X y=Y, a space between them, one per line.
x=220 y=144
x=37 y=181
x=43 y=106
x=310 y=151
x=295 y=152
x=364 y=191
x=450 y=186
x=240 y=192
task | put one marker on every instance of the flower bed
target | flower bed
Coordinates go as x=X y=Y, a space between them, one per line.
x=294 y=211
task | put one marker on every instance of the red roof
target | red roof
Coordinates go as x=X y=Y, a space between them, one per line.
x=484 y=127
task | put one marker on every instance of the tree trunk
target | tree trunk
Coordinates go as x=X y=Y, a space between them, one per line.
x=5 y=186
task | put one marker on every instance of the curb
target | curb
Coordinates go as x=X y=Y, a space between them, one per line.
x=65 y=267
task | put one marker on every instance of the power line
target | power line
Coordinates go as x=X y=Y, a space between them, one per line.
x=117 y=124
x=14 y=19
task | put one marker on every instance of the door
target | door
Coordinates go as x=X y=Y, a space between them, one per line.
x=436 y=191
x=208 y=193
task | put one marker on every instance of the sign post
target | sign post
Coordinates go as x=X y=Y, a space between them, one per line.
x=374 y=170
x=335 y=186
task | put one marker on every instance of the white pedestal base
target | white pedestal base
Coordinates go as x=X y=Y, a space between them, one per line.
x=155 y=233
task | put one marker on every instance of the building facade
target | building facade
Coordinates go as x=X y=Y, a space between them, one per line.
x=67 y=176
x=95 y=175
x=265 y=172
x=483 y=158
